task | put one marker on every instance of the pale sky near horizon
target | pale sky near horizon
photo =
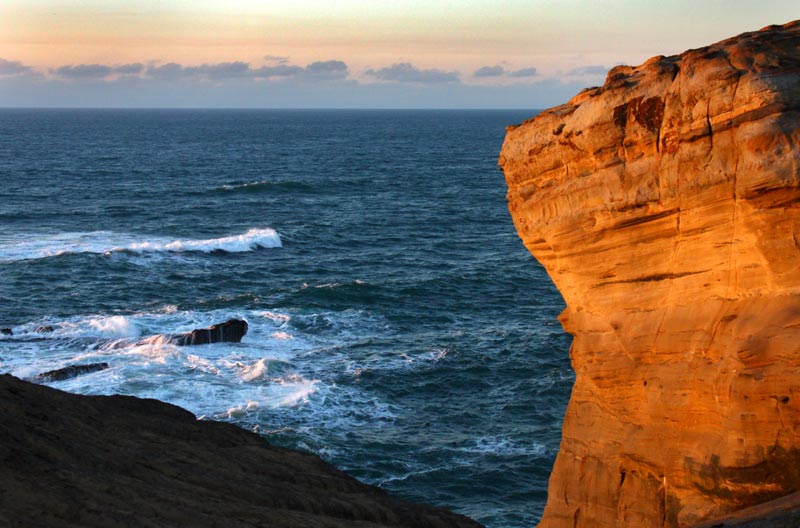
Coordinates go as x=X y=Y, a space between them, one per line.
x=346 y=53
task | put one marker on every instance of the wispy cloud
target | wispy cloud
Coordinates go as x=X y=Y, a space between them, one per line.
x=8 y=67
x=168 y=71
x=320 y=70
x=405 y=72
x=524 y=72
x=489 y=71
x=332 y=69
x=130 y=69
x=222 y=70
x=82 y=71
x=276 y=83
x=95 y=71
x=281 y=70
x=499 y=71
x=276 y=59
x=588 y=70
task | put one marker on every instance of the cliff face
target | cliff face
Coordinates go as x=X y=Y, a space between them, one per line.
x=72 y=461
x=665 y=206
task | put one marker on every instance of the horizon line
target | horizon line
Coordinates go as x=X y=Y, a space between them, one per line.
x=243 y=108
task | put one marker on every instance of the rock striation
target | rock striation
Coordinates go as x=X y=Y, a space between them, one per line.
x=665 y=205
x=69 y=461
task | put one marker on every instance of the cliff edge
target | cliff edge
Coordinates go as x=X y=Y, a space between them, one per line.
x=73 y=461
x=665 y=205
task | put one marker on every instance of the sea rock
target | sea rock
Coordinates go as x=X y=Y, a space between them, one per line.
x=72 y=461
x=231 y=331
x=44 y=329
x=665 y=205
x=6 y=331
x=70 y=372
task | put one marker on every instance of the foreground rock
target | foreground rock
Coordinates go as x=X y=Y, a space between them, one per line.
x=71 y=372
x=101 y=461
x=666 y=208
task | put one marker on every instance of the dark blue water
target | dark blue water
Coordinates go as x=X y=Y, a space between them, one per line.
x=398 y=327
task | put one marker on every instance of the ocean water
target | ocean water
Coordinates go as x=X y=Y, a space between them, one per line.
x=398 y=327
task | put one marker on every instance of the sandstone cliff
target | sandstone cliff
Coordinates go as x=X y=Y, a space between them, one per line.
x=84 y=461
x=665 y=206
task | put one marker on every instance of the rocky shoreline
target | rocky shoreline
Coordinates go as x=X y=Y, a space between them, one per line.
x=104 y=461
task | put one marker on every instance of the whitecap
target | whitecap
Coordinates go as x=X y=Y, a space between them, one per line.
x=36 y=246
x=252 y=239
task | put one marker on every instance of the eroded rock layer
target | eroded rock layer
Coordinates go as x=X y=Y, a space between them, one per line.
x=665 y=206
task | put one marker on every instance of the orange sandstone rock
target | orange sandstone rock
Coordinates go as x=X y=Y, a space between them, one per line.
x=665 y=206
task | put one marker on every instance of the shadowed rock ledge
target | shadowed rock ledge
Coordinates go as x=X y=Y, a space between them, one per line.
x=104 y=461
x=665 y=205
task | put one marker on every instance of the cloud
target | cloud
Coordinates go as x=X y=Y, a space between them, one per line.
x=321 y=70
x=489 y=71
x=8 y=67
x=83 y=71
x=588 y=70
x=281 y=70
x=222 y=70
x=279 y=59
x=130 y=69
x=332 y=69
x=168 y=71
x=524 y=72
x=406 y=72
x=276 y=84
x=499 y=71
x=176 y=89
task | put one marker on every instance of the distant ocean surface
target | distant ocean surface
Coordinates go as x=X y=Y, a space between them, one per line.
x=398 y=327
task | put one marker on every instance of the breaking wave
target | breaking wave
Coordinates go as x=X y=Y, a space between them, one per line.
x=105 y=242
x=266 y=185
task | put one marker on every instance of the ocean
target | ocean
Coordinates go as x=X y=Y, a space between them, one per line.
x=397 y=326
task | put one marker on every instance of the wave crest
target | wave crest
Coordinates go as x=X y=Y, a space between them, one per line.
x=32 y=247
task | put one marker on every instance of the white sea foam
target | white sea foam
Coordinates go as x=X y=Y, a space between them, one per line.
x=277 y=366
x=115 y=326
x=99 y=327
x=19 y=247
x=275 y=316
x=255 y=371
x=198 y=363
x=499 y=446
x=297 y=390
x=239 y=410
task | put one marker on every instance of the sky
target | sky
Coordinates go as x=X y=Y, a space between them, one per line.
x=345 y=53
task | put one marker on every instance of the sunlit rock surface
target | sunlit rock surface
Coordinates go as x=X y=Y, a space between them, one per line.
x=665 y=206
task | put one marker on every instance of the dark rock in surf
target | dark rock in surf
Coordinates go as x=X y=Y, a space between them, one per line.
x=231 y=331
x=6 y=331
x=44 y=329
x=70 y=372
